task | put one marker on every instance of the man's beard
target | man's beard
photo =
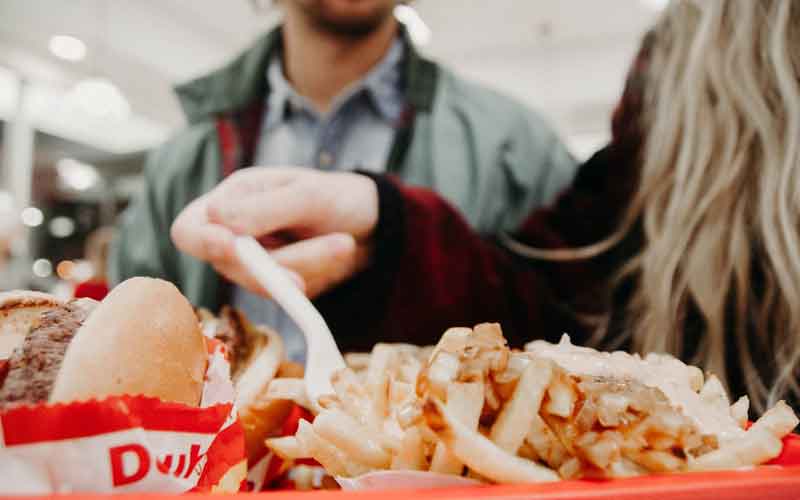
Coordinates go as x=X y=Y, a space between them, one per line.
x=345 y=27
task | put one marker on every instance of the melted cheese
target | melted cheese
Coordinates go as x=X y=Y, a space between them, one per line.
x=665 y=373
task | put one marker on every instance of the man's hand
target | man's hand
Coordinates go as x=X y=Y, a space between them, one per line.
x=317 y=224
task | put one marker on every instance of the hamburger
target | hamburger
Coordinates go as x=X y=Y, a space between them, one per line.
x=142 y=339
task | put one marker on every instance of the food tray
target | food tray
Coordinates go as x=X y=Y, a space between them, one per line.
x=762 y=483
x=766 y=483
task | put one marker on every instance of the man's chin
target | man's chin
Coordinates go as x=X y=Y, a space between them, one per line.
x=351 y=29
x=348 y=25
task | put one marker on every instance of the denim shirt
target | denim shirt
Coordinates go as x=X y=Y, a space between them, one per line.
x=357 y=133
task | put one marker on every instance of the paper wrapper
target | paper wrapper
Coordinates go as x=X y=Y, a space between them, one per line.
x=269 y=472
x=125 y=444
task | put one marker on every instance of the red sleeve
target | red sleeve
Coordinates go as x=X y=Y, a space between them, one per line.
x=431 y=271
x=449 y=276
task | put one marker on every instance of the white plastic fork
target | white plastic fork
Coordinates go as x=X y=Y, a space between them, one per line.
x=323 y=357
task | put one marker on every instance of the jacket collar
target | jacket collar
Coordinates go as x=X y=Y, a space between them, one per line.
x=238 y=84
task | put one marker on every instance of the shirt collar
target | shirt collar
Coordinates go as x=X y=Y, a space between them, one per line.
x=281 y=92
x=382 y=84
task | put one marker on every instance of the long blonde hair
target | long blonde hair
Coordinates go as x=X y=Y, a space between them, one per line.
x=719 y=189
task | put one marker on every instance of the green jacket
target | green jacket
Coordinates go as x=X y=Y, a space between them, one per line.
x=487 y=154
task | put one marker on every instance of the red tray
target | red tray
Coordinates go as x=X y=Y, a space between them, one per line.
x=761 y=483
x=765 y=483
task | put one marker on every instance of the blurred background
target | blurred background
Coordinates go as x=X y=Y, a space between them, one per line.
x=85 y=92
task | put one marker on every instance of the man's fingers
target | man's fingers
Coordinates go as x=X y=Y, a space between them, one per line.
x=261 y=213
x=323 y=261
x=256 y=179
x=310 y=255
x=192 y=233
x=207 y=242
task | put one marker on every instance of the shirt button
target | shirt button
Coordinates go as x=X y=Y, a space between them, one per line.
x=325 y=159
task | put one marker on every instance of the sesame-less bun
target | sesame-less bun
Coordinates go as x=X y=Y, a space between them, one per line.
x=143 y=338
x=19 y=312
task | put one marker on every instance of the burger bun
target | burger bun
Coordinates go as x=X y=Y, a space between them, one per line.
x=142 y=339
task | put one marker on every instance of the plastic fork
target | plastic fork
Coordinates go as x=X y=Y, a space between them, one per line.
x=323 y=357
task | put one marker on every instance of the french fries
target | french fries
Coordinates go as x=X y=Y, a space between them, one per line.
x=516 y=417
x=290 y=389
x=411 y=452
x=353 y=438
x=757 y=446
x=335 y=461
x=471 y=406
x=481 y=454
x=778 y=420
x=287 y=448
x=739 y=411
x=465 y=401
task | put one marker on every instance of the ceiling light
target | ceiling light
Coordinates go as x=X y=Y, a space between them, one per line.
x=32 y=217
x=67 y=47
x=100 y=98
x=62 y=227
x=656 y=4
x=419 y=32
x=42 y=268
x=76 y=175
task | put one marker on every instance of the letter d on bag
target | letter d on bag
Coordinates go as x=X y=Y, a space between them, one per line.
x=138 y=464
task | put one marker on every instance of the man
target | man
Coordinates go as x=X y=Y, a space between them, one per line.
x=338 y=87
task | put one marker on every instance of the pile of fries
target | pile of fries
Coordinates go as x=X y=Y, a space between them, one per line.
x=471 y=406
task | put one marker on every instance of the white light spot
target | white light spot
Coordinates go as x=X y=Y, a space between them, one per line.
x=42 y=268
x=100 y=98
x=67 y=47
x=656 y=4
x=77 y=175
x=32 y=217
x=62 y=227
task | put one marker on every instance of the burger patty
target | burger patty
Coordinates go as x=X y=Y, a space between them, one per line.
x=33 y=367
x=242 y=340
x=230 y=331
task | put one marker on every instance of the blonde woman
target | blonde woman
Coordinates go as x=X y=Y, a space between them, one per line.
x=681 y=236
